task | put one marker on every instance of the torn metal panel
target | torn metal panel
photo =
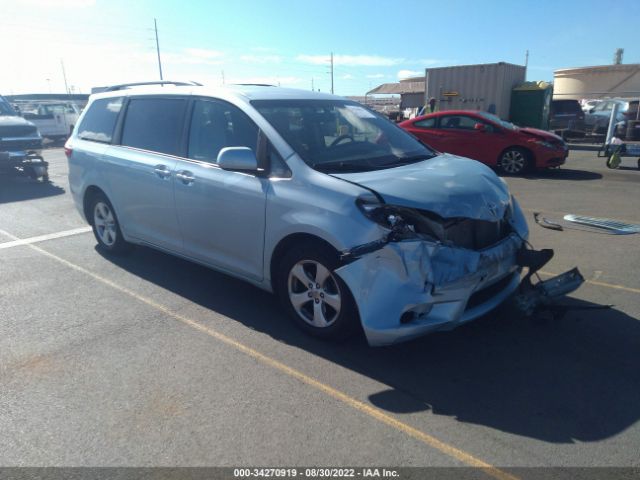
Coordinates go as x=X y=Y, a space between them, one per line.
x=544 y=223
x=614 y=226
x=408 y=288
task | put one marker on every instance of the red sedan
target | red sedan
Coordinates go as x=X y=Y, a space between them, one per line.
x=484 y=137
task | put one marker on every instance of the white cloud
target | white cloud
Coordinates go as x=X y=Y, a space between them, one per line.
x=347 y=76
x=261 y=59
x=351 y=60
x=402 y=74
x=376 y=75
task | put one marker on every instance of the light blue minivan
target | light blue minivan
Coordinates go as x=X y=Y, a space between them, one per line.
x=348 y=218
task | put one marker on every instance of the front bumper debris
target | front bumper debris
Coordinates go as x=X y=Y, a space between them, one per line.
x=544 y=294
x=405 y=289
x=29 y=162
x=409 y=288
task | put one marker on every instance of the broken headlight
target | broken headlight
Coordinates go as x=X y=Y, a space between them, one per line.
x=400 y=220
x=385 y=215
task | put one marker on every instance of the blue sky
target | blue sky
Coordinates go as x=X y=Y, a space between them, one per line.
x=289 y=42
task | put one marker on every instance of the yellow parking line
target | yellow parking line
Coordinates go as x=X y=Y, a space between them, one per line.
x=362 y=407
x=599 y=284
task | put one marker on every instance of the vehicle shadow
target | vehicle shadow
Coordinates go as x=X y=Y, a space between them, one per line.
x=17 y=188
x=623 y=167
x=561 y=381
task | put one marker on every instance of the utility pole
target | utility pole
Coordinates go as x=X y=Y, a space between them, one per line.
x=64 y=75
x=222 y=72
x=526 y=59
x=312 y=87
x=331 y=73
x=155 y=24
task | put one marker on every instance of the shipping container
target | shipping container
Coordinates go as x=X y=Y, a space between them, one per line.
x=474 y=87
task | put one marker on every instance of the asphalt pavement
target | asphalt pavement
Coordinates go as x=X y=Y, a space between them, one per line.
x=149 y=360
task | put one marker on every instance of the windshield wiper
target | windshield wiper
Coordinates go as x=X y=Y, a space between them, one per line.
x=408 y=160
x=343 y=166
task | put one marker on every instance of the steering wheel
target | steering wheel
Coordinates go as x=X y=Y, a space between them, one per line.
x=340 y=139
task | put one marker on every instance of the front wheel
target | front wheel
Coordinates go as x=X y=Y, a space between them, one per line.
x=317 y=300
x=514 y=161
x=105 y=226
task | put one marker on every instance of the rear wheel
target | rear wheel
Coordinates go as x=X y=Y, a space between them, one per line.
x=514 y=161
x=105 y=225
x=317 y=300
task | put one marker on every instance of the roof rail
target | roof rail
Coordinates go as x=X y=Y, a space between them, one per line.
x=253 y=84
x=122 y=86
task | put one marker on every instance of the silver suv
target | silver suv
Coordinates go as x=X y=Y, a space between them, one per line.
x=348 y=218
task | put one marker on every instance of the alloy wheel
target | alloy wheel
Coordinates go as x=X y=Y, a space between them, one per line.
x=314 y=293
x=105 y=223
x=513 y=161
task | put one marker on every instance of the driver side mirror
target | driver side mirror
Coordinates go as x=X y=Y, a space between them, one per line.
x=480 y=127
x=239 y=159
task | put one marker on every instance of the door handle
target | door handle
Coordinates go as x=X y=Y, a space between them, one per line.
x=162 y=171
x=185 y=177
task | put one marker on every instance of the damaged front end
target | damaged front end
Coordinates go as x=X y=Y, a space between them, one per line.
x=430 y=273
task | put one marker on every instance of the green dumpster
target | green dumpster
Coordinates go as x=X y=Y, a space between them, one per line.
x=530 y=103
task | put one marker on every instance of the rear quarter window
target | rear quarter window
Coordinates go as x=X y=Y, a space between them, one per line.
x=99 y=122
x=565 y=107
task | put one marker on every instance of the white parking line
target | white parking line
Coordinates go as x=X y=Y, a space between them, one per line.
x=41 y=238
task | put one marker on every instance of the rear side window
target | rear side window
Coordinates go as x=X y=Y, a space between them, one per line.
x=100 y=120
x=154 y=124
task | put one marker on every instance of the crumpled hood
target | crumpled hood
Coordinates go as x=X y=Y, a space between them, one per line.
x=543 y=134
x=447 y=185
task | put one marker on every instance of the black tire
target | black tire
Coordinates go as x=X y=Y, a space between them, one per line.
x=106 y=228
x=341 y=323
x=515 y=161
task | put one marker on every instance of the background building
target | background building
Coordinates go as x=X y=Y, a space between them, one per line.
x=597 y=82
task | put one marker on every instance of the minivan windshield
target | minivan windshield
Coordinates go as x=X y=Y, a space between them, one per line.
x=341 y=136
x=6 y=109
